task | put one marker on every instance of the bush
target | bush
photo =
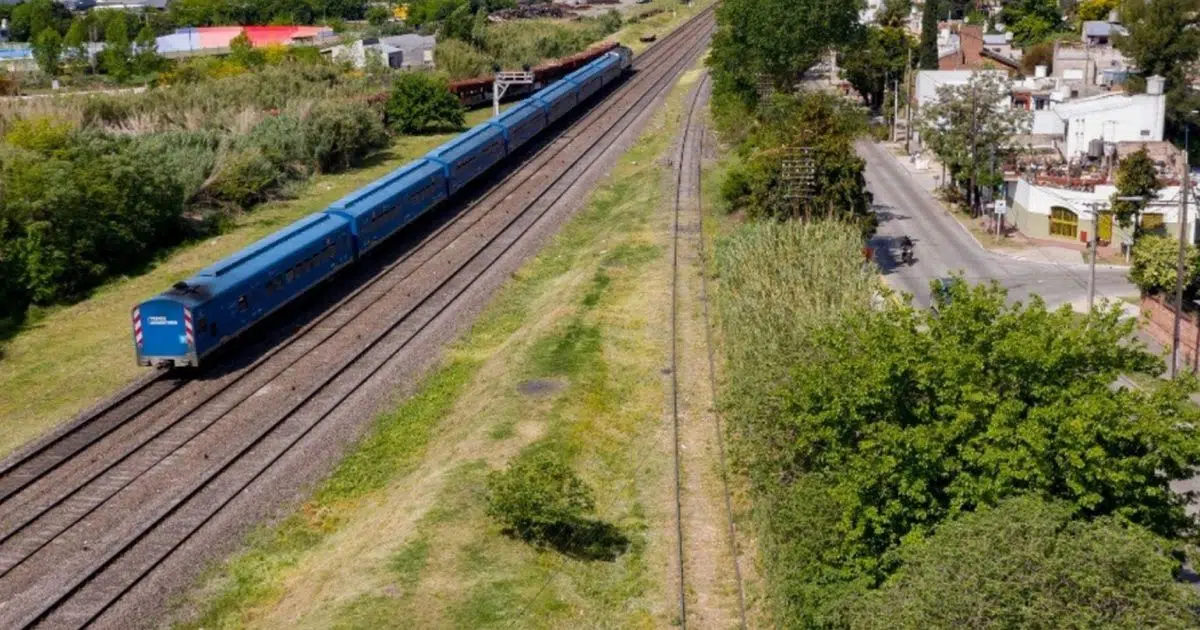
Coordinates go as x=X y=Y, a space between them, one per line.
x=341 y=135
x=420 y=102
x=245 y=177
x=1155 y=265
x=539 y=498
x=460 y=60
x=1027 y=564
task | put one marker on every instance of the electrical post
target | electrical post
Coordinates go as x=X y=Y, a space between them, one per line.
x=1182 y=250
x=895 y=109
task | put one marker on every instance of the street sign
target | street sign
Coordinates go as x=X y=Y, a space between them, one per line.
x=1001 y=207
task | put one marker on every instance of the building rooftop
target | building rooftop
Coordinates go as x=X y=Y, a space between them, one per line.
x=1098 y=28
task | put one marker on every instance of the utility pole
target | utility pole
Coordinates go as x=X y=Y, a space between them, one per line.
x=1182 y=249
x=908 y=89
x=895 y=108
x=1095 y=239
x=974 y=192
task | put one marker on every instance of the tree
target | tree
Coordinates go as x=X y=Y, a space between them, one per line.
x=47 y=49
x=894 y=13
x=775 y=41
x=1032 y=21
x=1090 y=10
x=1028 y=564
x=30 y=19
x=1038 y=55
x=421 y=101
x=146 y=59
x=929 y=36
x=914 y=416
x=378 y=15
x=824 y=125
x=1136 y=177
x=1155 y=261
x=971 y=128
x=1164 y=40
x=117 y=50
x=881 y=58
x=458 y=24
x=75 y=47
x=243 y=52
x=539 y=498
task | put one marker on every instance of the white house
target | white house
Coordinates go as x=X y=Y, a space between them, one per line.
x=1087 y=124
x=1053 y=212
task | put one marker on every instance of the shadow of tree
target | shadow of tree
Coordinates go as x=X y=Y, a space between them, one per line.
x=584 y=539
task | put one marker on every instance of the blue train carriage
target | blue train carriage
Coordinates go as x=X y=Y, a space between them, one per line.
x=382 y=208
x=195 y=317
x=467 y=156
x=523 y=122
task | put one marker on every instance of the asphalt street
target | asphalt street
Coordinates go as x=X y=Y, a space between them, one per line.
x=942 y=246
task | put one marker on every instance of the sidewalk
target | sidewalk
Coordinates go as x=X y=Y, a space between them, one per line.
x=927 y=173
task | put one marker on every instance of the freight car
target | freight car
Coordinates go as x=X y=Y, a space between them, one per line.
x=477 y=91
x=186 y=323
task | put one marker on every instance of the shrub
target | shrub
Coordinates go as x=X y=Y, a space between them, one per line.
x=460 y=60
x=244 y=177
x=539 y=498
x=1155 y=265
x=421 y=101
x=341 y=135
x=1027 y=564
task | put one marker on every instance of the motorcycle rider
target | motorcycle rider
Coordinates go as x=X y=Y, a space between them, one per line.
x=906 y=247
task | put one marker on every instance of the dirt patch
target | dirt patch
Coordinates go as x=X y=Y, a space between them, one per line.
x=540 y=387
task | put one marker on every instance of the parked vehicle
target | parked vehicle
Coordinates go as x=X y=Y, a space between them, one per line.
x=186 y=323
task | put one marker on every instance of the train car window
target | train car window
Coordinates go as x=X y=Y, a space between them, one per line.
x=243 y=303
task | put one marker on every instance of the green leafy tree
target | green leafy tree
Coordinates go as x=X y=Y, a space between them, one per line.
x=1164 y=40
x=1136 y=177
x=827 y=127
x=894 y=13
x=421 y=101
x=75 y=47
x=1028 y=564
x=117 y=50
x=30 y=19
x=971 y=129
x=378 y=16
x=479 y=29
x=1032 y=21
x=1090 y=10
x=1155 y=265
x=47 y=49
x=458 y=24
x=775 y=41
x=243 y=52
x=539 y=498
x=871 y=66
x=146 y=58
x=341 y=135
x=1038 y=55
x=929 y=36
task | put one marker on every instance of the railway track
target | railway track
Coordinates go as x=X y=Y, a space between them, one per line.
x=88 y=514
x=688 y=225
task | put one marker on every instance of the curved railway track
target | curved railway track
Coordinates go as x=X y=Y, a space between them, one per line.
x=88 y=513
x=688 y=223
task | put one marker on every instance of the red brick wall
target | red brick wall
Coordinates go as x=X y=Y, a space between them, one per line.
x=1158 y=319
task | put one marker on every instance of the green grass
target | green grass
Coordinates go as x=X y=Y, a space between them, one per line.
x=456 y=568
x=67 y=358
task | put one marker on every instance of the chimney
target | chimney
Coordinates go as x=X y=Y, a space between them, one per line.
x=1040 y=72
x=1154 y=85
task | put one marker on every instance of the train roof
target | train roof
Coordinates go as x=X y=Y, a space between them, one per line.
x=249 y=263
x=368 y=196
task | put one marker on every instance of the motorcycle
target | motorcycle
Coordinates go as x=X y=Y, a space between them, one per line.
x=906 y=255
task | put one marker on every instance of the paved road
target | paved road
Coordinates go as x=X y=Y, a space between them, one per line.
x=942 y=245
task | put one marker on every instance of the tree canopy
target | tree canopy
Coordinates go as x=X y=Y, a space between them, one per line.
x=1136 y=177
x=1156 y=265
x=1028 y=564
x=1032 y=21
x=1164 y=39
x=929 y=35
x=971 y=128
x=420 y=102
x=775 y=40
x=880 y=58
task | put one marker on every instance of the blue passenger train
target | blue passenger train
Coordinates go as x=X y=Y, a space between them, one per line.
x=182 y=325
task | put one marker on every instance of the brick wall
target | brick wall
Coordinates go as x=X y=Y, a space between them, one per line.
x=1158 y=320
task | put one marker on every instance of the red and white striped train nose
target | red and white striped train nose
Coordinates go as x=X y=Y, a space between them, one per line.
x=137 y=326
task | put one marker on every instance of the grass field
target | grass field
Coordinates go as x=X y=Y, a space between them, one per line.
x=568 y=357
x=66 y=359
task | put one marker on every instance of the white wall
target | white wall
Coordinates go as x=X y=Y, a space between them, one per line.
x=1122 y=118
